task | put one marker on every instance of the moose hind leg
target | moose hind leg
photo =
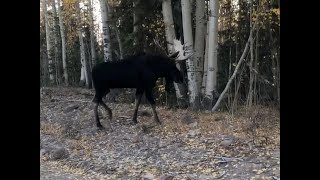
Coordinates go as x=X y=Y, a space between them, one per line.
x=139 y=94
x=95 y=110
x=153 y=105
x=107 y=109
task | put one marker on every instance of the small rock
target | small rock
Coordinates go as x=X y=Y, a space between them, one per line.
x=148 y=176
x=166 y=177
x=204 y=177
x=193 y=133
x=208 y=141
x=71 y=108
x=59 y=153
x=42 y=152
x=275 y=178
x=193 y=125
x=226 y=142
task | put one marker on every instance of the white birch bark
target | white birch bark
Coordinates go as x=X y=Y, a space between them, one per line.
x=205 y=65
x=188 y=41
x=63 y=45
x=49 y=45
x=170 y=37
x=106 y=31
x=84 y=68
x=92 y=35
x=199 y=40
x=211 y=85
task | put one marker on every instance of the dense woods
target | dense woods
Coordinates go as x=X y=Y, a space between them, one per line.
x=220 y=117
x=234 y=45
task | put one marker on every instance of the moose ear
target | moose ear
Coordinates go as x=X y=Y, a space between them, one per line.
x=174 y=55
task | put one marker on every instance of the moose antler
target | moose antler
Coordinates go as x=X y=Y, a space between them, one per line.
x=182 y=49
x=156 y=42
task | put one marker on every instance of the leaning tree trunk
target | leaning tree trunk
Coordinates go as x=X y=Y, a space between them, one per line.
x=215 y=107
x=199 y=40
x=56 y=44
x=63 y=45
x=84 y=79
x=180 y=89
x=106 y=31
x=119 y=42
x=192 y=68
x=49 y=45
x=211 y=85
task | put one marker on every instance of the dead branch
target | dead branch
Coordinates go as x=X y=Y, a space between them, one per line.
x=226 y=159
x=235 y=71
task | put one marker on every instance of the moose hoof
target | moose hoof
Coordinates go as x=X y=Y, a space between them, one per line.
x=134 y=121
x=99 y=126
x=158 y=121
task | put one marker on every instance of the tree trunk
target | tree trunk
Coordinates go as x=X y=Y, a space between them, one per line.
x=63 y=46
x=255 y=94
x=84 y=67
x=211 y=85
x=119 y=42
x=250 y=93
x=229 y=73
x=275 y=62
x=180 y=89
x=192 y=69
x=106 y=31
x=199 y=40
x=92 y=36
x=49 y=45
x=56 y=44
x=116 y=31
x=205 y=66
x=137 y=26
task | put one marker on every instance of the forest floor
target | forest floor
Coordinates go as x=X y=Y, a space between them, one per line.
x=188 y=145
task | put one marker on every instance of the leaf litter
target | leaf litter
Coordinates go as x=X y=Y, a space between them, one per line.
x=188 y=145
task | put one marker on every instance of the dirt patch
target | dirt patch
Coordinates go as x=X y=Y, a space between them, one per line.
x=189 y=145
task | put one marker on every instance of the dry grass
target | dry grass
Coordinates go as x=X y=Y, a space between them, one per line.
x=257 y=122
x=76 y=130
x=51 y=129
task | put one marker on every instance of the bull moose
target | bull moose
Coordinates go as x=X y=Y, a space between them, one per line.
x=139 y=71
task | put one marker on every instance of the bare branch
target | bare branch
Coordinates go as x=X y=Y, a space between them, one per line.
x=236 y=70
